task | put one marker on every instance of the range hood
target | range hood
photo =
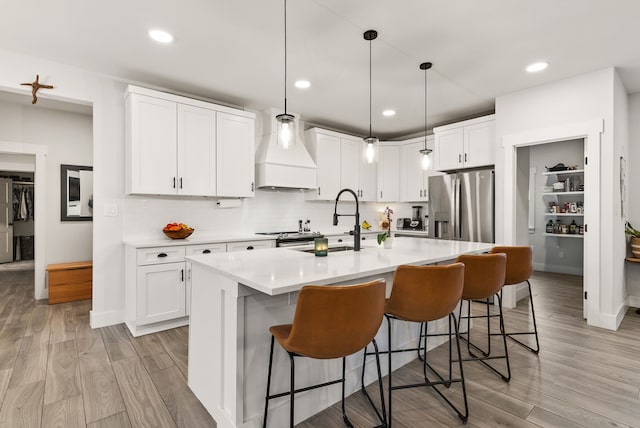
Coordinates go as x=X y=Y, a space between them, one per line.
x=277 y=168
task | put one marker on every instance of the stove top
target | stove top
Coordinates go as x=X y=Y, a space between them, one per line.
x=292 y=237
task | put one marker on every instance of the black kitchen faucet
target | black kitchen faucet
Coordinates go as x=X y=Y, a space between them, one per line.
x=356 y=228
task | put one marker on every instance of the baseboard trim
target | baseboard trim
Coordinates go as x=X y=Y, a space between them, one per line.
x=570 y=270
x=104 y=319
x=612 y=321
x=633 y=301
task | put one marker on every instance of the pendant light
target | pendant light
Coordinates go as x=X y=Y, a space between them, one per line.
x=425 y=152
x=370 y=141
x=285 y=121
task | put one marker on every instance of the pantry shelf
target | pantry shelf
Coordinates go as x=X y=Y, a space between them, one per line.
x=564 y=215
x=564 y=235
x=563 y=193
x=566 y=172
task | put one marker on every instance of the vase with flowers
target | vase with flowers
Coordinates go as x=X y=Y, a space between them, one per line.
x=386 y=237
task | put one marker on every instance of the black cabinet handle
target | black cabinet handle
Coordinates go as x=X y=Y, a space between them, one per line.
x=364 y=237
x=318 y=190
x=252 y=186
x=250 y=247
x=182 y=275
x=459 y=158
x=465 y=157
x=339 y=240
x=161 y=255
x=206 y=251
x=174 y=182
x=181 y=182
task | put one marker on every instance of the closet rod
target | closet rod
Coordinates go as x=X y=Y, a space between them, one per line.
x=24 y=182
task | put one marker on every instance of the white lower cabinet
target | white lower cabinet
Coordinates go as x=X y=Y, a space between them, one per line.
x=158 y=282
x=161 y=292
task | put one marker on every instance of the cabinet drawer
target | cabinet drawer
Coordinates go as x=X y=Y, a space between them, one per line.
x=157 y=255
x=249 y=245
x=193 y=250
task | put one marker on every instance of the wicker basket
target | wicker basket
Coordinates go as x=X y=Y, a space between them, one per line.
x=178 y=234
x=635 y=247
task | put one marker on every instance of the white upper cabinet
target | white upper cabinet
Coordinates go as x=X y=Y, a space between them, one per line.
x=355 y=174
x=465 y=144
x=151 y=128
x=339 y=158
x=414 y=181
x=196 y=151
x=324 y=149
x=180 y=146
x=235 y=146
x=388 y=172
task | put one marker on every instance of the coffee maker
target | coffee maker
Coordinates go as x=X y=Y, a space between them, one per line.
x=416 y=218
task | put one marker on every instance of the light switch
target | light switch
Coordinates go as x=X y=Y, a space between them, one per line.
x=110 y=210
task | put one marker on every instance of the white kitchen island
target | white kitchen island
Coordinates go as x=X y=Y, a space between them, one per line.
x=236 y=297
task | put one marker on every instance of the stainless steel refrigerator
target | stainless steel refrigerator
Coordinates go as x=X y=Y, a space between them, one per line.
x=461 y=206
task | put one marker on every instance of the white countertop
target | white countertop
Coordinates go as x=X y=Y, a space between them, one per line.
x=280 y=270
x=197 y=239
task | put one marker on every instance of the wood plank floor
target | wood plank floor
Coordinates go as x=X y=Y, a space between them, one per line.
x=55 y=371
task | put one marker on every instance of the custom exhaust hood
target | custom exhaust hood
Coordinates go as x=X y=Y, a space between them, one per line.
x=279 y=168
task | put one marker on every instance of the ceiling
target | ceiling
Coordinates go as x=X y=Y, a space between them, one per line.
x=233 y=51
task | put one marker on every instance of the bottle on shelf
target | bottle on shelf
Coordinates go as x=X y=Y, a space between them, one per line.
x=573 y=228
x=549 y=228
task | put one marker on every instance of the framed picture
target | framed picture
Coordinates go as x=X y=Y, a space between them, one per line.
x=76 y=193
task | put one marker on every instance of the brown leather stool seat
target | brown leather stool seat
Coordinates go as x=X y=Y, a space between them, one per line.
x=519 y=270
x=422 y=294
x=330 y=322
x=483 y=278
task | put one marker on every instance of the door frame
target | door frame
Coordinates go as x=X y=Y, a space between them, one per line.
x=39 y=219
x=591 y=133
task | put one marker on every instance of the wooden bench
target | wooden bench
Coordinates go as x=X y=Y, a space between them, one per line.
x=69 y=282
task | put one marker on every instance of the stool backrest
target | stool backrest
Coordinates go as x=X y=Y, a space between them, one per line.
x=519 y=263
x=484 y=274
x=425 y=293
x=336 y=321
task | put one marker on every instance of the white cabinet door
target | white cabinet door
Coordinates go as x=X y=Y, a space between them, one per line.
x=325 y=151
x=196 y=151
x=160 y=293
x=388 y=173
x=151 y=135
x=413 y=184
x=368 y=181
x=192 y=250
x=235 y=155
x=449 y=147
x=479 y=149
x=350 y=165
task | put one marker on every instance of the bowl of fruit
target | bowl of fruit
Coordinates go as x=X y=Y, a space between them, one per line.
x=177 y=230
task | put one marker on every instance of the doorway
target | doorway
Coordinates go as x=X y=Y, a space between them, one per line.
x=16 y=220
x=551 y=206
x=590 y=133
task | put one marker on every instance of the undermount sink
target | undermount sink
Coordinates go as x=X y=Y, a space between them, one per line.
x=331 y=249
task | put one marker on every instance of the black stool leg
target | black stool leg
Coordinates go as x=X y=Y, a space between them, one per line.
x=344 y=413
x=266 y=400
x=535 y=327
x=390 y=370
x=464 y=417
x=382 y=417
x=293 y=389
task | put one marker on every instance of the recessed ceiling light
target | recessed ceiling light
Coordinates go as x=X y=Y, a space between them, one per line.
x=160 y=36
x=389 y=113
x=537 y=66
x=302 y=84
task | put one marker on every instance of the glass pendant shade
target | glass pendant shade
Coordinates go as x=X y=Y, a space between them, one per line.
x=426 y=159
x=370 y=149
x=285 y=130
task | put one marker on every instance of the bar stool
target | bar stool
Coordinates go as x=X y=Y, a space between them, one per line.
x=520 y=269
x=422 y=294
x=330 y=322
x=483 y=277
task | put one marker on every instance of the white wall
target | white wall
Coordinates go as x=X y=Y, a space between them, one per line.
x=68 y=138
x=585 y=98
